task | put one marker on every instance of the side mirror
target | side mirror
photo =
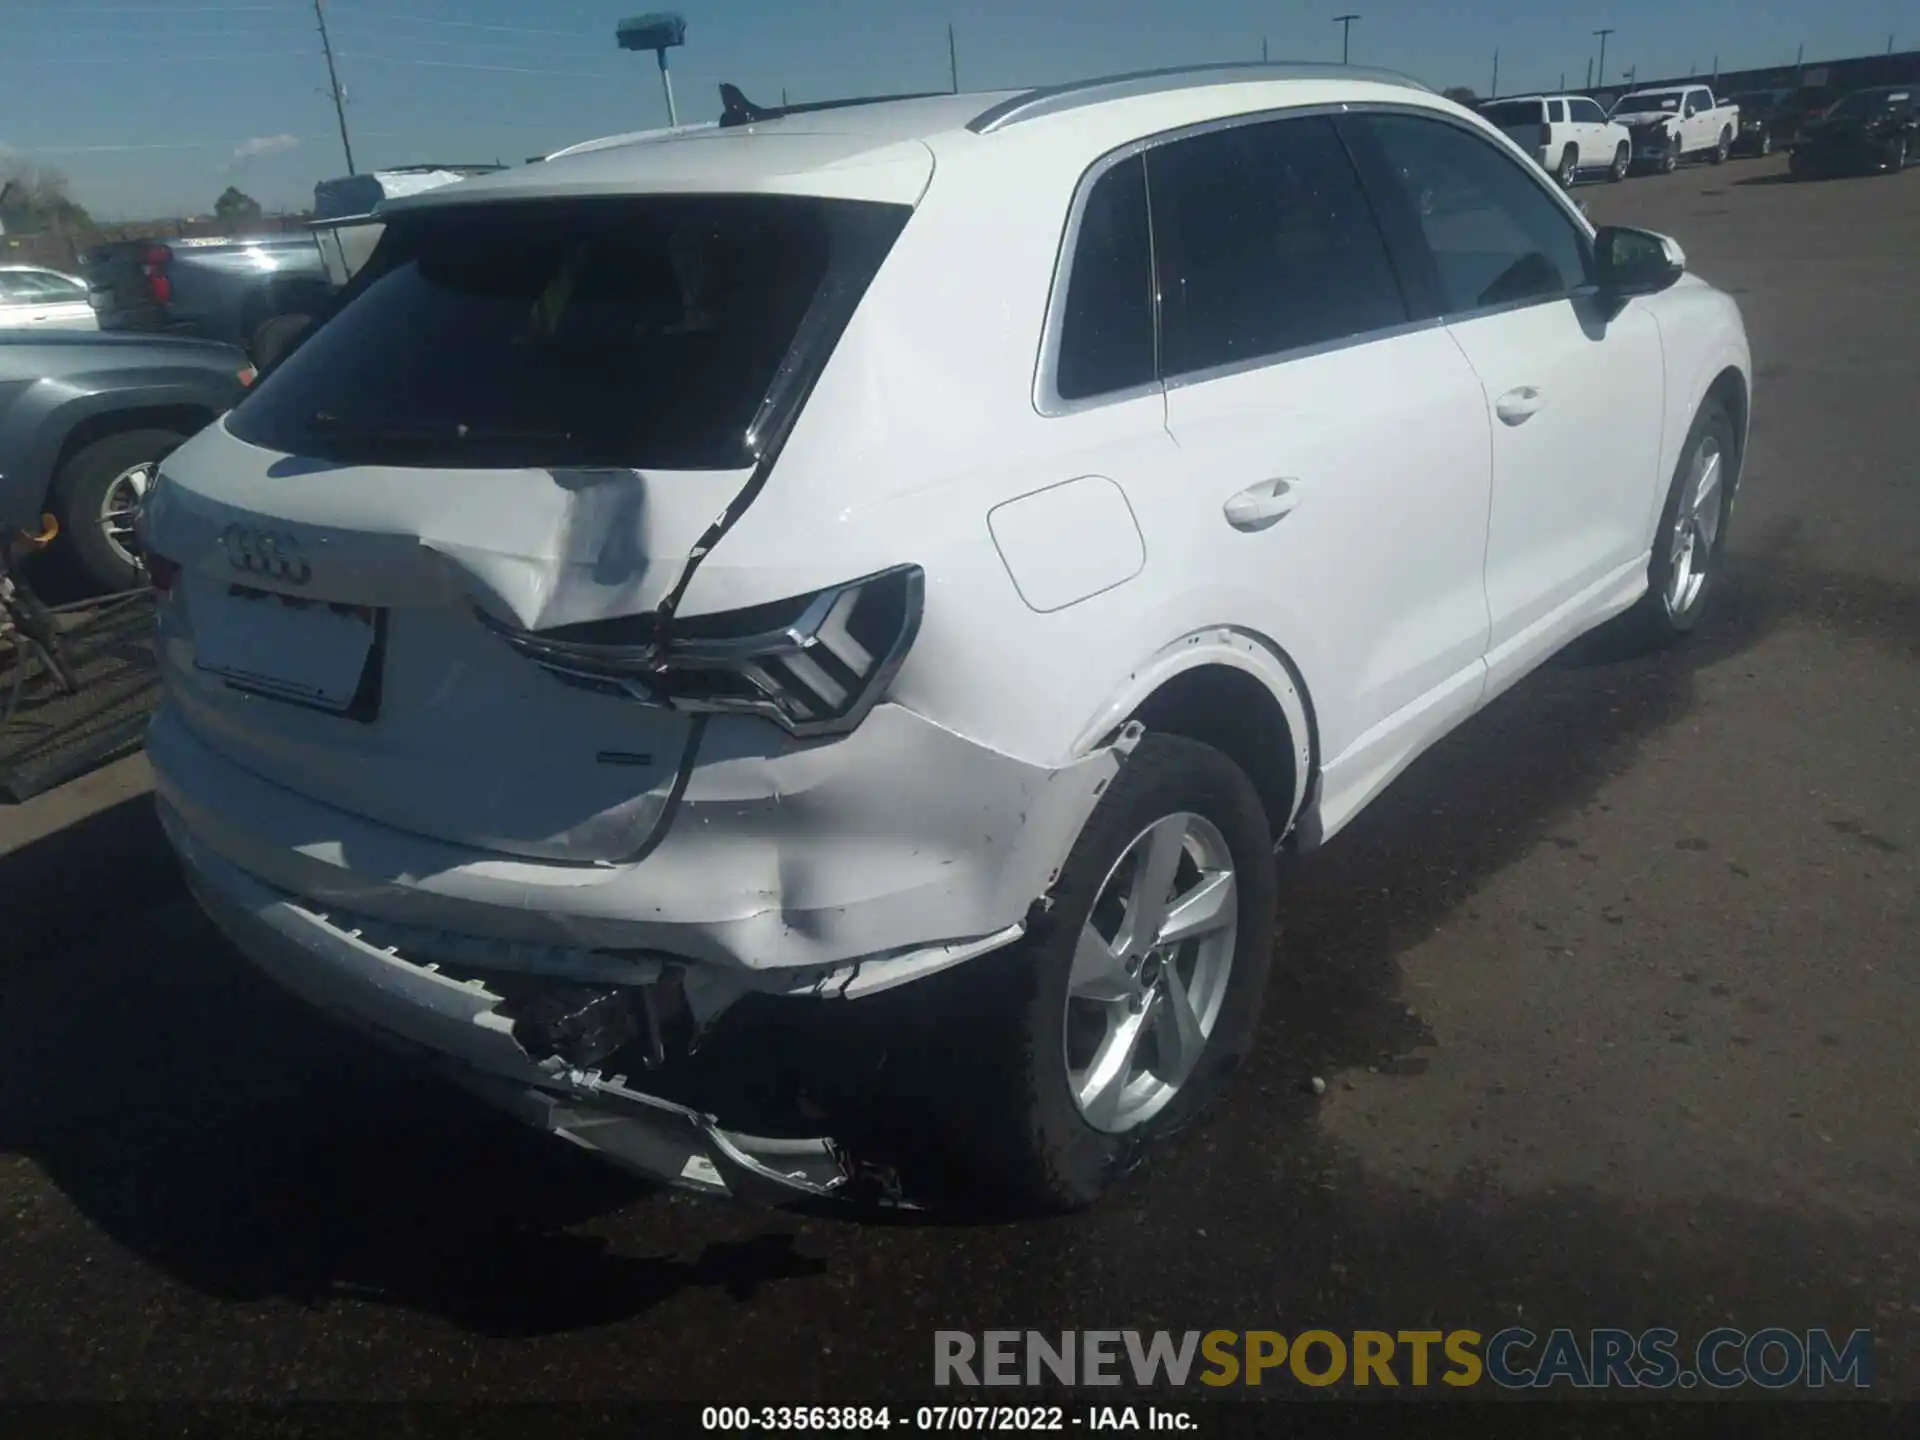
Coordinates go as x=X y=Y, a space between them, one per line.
x=1632 y=262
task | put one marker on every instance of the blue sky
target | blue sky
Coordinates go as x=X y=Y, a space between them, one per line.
x=154 y=106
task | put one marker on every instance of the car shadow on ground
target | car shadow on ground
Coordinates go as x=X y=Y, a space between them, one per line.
x=252 y=1151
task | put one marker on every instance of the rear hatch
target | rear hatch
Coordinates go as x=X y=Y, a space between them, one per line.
x=1522 y=121
x=526 y=415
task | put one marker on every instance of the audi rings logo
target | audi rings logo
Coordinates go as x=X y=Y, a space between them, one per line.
x=266 y=553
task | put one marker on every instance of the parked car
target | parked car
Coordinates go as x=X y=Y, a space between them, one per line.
x=346 y=228
x=1675 y=124
x=1569 y=135
x=670 y=595
x=83 y=421
x=1770 y=120
x=35 y=298
x=1865 y=131
x=222 y=288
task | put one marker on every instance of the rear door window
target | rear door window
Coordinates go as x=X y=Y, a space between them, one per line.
x=1265 y=244
x=1557 y=111
x=1495 y=235
x=1503 y=114
x=1106 y=329
x=636 y=332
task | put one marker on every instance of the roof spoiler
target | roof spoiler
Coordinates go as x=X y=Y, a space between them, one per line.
x=736 y=109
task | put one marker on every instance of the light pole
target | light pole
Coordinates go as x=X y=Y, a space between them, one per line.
x=1345 y=22
x=658 y=33
x=1603 y=55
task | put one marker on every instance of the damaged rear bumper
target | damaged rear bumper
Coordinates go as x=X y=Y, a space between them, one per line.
x=827 y=871
x=417 y=1009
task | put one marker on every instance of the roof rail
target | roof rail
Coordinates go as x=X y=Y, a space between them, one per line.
x=1053 y=99
x=736 y=109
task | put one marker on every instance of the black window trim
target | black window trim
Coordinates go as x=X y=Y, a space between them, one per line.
x=1046 y=397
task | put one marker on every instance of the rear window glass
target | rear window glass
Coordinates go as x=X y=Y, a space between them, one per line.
x=1512 y=112
x=637 y=332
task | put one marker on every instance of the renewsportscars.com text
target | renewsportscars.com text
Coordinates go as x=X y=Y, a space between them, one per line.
x=1514 y=1358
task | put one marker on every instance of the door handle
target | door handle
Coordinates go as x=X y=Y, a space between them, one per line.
x=1517 y=405
x=1261 y=505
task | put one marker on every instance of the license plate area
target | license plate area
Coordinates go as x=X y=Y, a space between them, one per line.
x=319 y=654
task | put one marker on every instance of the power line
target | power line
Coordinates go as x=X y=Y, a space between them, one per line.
x=467 y=65
x=354 y=36
x=166 y=11
x=460 y=24
x=148 y=59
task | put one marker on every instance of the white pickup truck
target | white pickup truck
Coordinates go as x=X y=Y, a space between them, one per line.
x=1677 y=123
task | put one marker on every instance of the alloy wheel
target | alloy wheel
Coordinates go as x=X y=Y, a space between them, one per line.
x=120 y=510
x=1696 y=527
x=1150 y=972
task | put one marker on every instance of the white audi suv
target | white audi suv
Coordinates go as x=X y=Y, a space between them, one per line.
x=923 y=559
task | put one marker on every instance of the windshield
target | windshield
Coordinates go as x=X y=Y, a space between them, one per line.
x=1505 y=113
x=638 y=332
x=1653 y=102
x=1866 y=102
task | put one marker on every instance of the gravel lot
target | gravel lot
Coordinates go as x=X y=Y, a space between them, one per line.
x=1614 y=996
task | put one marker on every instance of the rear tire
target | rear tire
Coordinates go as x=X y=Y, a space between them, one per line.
x=1723 y=148
x=1622 y=162
x=1005 y=1049
x=1692 y=534
x=91 y=495
x=1569 y=170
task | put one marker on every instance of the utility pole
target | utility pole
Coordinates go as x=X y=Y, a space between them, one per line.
x=1589 y=72
x=1345 y=22
x=953 y=63
x=1603 y=53
x=1563 y=82
x=333 y=81
x=1493 y=91
x=1263 y=48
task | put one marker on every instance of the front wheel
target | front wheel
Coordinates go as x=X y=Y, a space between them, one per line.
x=1134 y=996
x=97 y=496
x=1766 y=143
x=1692 y=532
x=1897 y=156
x=1670 y=161
x=1622 y=162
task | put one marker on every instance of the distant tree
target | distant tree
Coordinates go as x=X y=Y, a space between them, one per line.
x=36 y=199
x=1461 y=95
x=236 y=207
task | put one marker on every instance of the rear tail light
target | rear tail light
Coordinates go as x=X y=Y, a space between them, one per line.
x=246 y=375
x=154 y=260
x=814 y=665
x=1546 y=135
